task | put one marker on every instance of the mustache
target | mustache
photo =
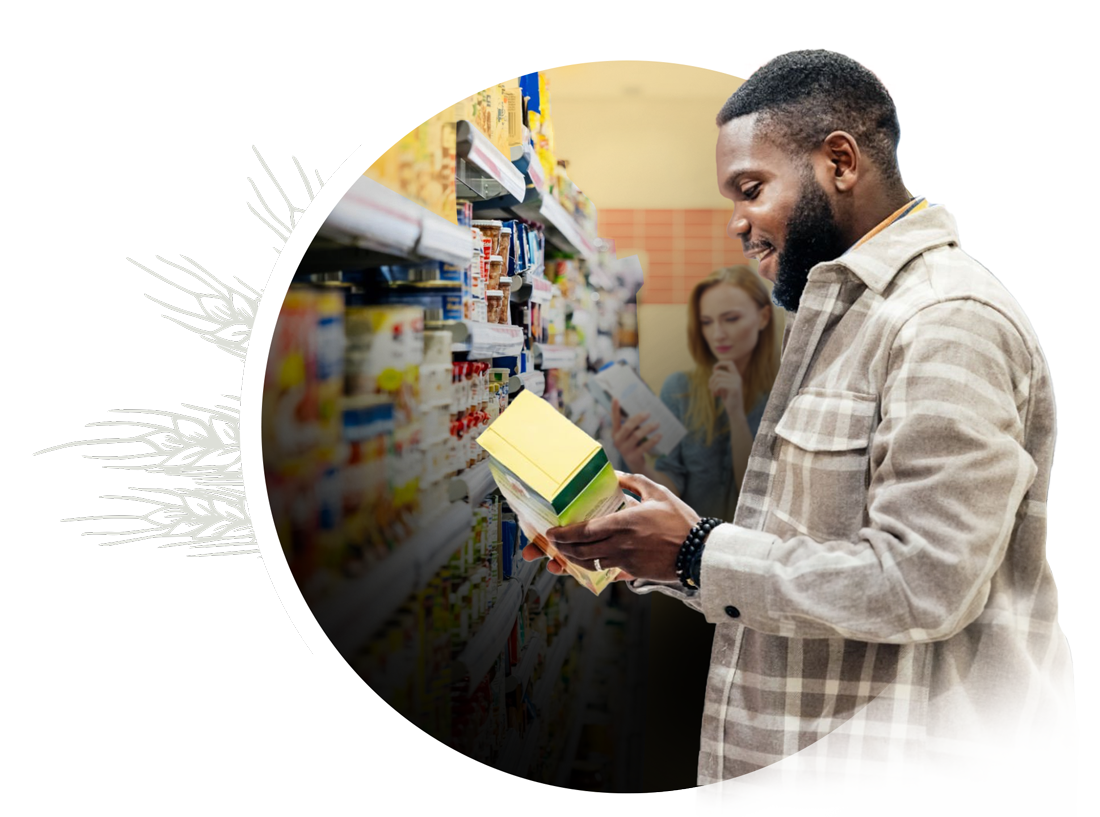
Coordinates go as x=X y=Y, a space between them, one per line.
x=756 y=246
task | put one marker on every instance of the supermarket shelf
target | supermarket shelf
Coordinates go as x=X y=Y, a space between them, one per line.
x=485 y=340
x=373 y=217
x=510 y=749
x=531 y=286
x=560 y=649
x=473 y=484
x=529 y=747
x=526 y=663
x=590 y=424
x=534 y=382
x=527 y=574
x=555 y=357
x=581 y=715
x=584 y=413
x=542 y=586
x=352 y=617
x=564 y=232
x=491 y=637
x=481 y=155
x=580 y=406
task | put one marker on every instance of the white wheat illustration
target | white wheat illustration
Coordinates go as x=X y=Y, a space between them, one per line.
x=201 y=445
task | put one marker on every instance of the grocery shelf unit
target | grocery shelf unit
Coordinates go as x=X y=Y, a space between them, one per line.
x=440 y=614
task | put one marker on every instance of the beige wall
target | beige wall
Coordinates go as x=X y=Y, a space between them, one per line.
x=662 y=342
x=640 y=135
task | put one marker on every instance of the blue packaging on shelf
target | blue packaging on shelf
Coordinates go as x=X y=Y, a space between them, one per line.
x=449 y=272
x=529 y=87
x=452 y=306
x=523 y=255
x=508 y=530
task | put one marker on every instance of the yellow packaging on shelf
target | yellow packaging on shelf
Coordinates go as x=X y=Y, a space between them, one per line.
x=498 y=134
x=478 y=111
x=513 y=106
x=552 y=474
x=421 y=166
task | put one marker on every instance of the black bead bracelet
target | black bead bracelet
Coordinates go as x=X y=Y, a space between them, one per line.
x=687 y=562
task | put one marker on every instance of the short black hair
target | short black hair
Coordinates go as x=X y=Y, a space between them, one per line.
x=804 y=96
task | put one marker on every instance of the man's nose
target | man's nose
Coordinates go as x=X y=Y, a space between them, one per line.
x=738 y=225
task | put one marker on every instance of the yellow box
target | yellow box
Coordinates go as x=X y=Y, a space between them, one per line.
x=552 y=474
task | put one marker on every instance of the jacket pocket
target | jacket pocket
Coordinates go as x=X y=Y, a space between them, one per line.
x=822 y=462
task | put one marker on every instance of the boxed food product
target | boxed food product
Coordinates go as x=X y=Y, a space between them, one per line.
x=618 y=381
x=384 y=353
x=500 y=125
x=421 y=166
x=478 y=110
x=551 y=473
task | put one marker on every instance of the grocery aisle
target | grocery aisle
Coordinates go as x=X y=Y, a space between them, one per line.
x=462 y=269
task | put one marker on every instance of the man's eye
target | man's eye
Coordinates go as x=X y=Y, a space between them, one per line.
x=750 y=191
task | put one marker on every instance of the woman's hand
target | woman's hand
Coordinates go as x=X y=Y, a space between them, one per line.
x=725 y=383
x=633 y=439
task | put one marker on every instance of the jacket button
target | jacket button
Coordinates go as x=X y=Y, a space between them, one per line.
x=732 y=611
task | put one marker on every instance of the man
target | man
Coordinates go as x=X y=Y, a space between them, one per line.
x=885 y=575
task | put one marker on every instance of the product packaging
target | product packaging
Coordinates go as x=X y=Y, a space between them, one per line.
x=617 y=380
x=551 y=473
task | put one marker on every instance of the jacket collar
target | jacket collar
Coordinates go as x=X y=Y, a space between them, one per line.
x=876 y=261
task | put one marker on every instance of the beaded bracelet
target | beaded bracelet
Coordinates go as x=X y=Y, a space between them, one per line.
x=692 y=547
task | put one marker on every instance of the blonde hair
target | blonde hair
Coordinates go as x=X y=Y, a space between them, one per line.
x=703 y=415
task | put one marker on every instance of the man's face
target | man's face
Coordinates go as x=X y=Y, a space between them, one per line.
x=781 y=213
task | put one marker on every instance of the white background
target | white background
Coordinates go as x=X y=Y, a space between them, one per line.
x=142 y=681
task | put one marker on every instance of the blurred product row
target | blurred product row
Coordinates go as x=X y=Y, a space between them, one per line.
x=427 y=302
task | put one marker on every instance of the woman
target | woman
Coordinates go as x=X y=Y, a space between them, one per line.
x=733 y=343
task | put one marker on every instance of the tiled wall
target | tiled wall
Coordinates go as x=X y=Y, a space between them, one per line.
x=678 y=247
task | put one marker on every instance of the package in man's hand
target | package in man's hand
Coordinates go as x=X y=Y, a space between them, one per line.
x=551 y=473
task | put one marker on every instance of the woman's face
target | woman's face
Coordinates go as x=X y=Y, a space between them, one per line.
x=731 y=322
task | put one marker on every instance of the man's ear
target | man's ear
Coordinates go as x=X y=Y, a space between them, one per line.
x=845 y=160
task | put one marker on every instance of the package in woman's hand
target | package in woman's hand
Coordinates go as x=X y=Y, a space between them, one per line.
x=619 y=381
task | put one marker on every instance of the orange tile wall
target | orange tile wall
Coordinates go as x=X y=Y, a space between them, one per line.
x=681 y=247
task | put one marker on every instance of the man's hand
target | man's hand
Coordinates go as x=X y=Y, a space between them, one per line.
x=641 y=540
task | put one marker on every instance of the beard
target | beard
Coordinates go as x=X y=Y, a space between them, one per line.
x=813 y=236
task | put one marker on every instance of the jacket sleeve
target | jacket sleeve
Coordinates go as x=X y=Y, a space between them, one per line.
x=947 y=473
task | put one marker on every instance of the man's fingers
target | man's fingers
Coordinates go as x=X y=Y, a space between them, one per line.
x=532 y=553
x=585 y=555
x=641 y=485
x=594 y=530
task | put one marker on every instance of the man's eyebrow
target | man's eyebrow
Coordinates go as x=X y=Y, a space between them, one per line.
x=735 y=175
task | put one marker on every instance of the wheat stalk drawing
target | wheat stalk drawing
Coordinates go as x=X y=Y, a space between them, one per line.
x=201 y=445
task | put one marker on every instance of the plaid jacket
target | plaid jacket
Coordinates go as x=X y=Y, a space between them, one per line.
x=885 y=576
